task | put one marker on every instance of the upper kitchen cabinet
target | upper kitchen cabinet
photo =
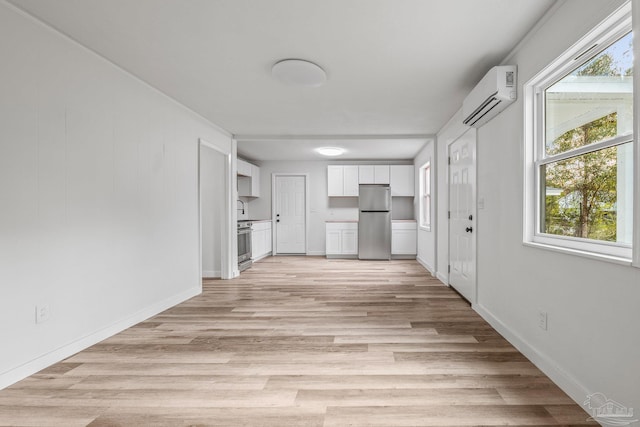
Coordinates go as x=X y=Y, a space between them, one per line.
x=373 y=174
x=402 y=180
x=244 y=168
x=248 y=179
x=342 y=181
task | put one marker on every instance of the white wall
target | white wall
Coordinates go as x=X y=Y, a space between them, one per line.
x=323 y=208
x=99 y=199
x=592 y=343
x=212 y=196
x=427 y=238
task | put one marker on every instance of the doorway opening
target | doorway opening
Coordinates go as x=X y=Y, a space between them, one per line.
x=214 y=205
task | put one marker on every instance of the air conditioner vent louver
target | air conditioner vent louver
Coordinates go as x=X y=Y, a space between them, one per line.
x=494 y=93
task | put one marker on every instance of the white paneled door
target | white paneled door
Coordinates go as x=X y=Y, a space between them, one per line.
x=462 y=195
x=290 y=214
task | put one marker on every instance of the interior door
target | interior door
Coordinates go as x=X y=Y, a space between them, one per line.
x=462 y=199
x=290 y=214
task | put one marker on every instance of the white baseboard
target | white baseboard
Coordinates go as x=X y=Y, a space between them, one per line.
x=261 y=257
x=31 y=367
x=426 y=265
x=315 y=253
x=213 y=274
x=443 y=278
x=562 y=378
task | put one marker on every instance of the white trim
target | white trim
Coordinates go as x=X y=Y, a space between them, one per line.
x=31 y=367
x=602 y=35
x=211 y=274
x=576 y=152
x=635 y=10
x=324 y=137
x=443 y=278
x=70 y=39
x=233 y=197
x=307 y=212
x=578 y=252
x=570 y=385
x=613 y=27
x=588 y=246
x=316 y=253
x=227 y=221
x=421 y=172
x=426 y=265
x=268 y=254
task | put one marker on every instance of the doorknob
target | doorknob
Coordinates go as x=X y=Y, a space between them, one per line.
x=469 y=229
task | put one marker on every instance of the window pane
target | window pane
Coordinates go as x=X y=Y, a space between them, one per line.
x=590 y=196
x=593 y=103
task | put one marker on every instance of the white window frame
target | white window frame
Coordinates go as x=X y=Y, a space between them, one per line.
x=426 y=199
x=611 y=29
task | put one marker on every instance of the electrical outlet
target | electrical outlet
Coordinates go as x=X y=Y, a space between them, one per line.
x=542 y=320
x=43 y=313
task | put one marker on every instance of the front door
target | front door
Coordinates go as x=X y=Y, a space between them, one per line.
x=462 y=199
x=290 y=214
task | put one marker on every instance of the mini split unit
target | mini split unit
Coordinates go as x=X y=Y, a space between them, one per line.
x=495 y=92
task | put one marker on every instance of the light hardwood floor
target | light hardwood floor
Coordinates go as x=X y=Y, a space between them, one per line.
x=300 y=341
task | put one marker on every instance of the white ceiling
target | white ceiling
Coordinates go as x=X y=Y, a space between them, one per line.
x=357 y=148
x=394 y=67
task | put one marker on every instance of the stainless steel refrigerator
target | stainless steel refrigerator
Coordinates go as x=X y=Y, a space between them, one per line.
x=374 y=225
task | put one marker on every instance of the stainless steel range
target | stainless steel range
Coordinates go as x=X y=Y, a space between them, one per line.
x=244 y=245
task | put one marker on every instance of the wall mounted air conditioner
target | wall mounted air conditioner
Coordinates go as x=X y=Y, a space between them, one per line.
x=496 y=90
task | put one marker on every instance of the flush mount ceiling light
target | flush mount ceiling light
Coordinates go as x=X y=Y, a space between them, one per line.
x=330 y=151
x=298 y=72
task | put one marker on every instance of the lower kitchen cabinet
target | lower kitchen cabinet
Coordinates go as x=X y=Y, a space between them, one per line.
x=404 y=239
x=342 y=239
x=260 y=240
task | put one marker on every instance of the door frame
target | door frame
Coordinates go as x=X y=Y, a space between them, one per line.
x=474 y=209
x=307 y=210
x=227 y=227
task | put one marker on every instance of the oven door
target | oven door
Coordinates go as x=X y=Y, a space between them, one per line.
x=244 y=244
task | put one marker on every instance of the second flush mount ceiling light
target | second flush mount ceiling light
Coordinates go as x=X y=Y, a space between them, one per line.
x=298 y=72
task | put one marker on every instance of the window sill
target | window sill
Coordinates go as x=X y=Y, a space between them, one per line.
x=577 y=252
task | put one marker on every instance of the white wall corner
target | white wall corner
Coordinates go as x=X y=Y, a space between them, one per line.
x=443 y=278
x=430 y=268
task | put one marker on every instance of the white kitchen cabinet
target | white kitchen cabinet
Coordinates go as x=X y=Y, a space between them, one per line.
x=351 y=186
x=373 y=174
x=402 y=180
x=249 y=185
x=381 y=174
x=342 y=181
x=365 y=174
x=243 y=168
x=260 y=240
x=341 y=239
x=255 y=181
x=404 y=238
